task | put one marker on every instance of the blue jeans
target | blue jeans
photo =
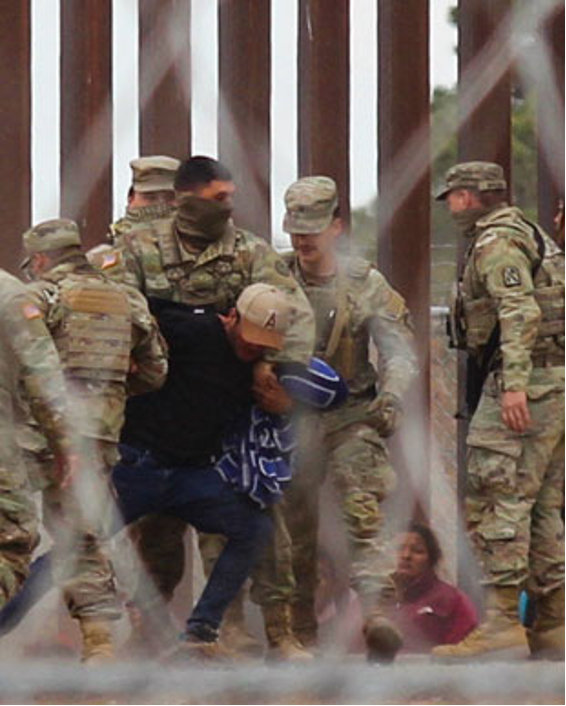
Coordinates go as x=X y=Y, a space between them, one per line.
x=198 y=495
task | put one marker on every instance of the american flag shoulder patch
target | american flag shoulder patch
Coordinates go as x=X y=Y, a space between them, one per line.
x=30 y=311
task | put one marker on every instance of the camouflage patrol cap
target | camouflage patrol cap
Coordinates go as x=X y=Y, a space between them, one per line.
x=483 y=176
x=54 y=234
x=310 y=204
x=155 y=173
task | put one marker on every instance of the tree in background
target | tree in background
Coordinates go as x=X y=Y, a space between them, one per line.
x=444 y=121
x=444 y=117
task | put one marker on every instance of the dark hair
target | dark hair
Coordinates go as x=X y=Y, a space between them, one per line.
x=198 y=171
x=429 y=538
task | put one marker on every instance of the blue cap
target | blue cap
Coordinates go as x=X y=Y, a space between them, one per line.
x=317 y=384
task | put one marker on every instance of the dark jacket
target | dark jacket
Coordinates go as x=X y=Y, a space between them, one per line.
x=206 y=390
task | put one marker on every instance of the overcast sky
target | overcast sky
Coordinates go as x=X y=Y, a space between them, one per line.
x=45 y=94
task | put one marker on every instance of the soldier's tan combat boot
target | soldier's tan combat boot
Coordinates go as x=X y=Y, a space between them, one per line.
x=499 y=636
x=382 y=639
x=304 y=623
x=234 y=635
x=546 y=637
x=97 y=640
x=282 y=644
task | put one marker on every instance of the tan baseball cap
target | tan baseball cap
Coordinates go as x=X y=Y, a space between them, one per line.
x=156 y=173
x=50 y=235
x=265 y=315
x=310 y=203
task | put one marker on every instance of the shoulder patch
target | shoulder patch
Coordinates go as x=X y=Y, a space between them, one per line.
x=110 y=259
x=30 y=312
x=511 y=277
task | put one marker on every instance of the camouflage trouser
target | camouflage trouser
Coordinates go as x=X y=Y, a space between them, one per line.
x=356 y=464
x=273 y=578
x=516 y=487
x=18 y=524
x=288 y=570
x=362 y=477
x=75 y=518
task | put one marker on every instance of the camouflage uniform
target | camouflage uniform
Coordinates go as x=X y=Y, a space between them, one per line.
x=158 y=538
x=153 y=259
x=150 y=176
x=106 y=256
x=137 y=218
x=110 y=347
x=352 y=307
x=27 y=355
x=515 y=481
x=513 y=278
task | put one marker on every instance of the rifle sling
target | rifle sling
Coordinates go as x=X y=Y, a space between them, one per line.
x=341 y=314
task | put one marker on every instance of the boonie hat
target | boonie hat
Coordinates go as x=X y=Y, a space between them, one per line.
x=483 y=176
x=317 y=385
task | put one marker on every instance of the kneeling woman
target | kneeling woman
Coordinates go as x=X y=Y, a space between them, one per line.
x=428 y=611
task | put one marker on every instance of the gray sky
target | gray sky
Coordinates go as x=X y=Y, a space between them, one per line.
x=45 y=95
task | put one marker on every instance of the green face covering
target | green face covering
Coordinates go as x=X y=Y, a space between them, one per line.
x=201 y=220
x=466 y=220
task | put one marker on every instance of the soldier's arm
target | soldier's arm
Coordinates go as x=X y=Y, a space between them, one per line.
x=267 y=266
x=40 y=369
x=128 y=266
x=149 y=350
x=505 y=269
x=392 y=332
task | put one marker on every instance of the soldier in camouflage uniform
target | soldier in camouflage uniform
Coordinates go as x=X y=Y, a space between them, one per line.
x=109 y=347
x=509 y=316
x=353 y=305
x=151 y=196
x=27 y=356
x=151 y=200
x=199 y=257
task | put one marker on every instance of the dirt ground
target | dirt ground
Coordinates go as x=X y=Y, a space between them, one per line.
x=332 y=681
